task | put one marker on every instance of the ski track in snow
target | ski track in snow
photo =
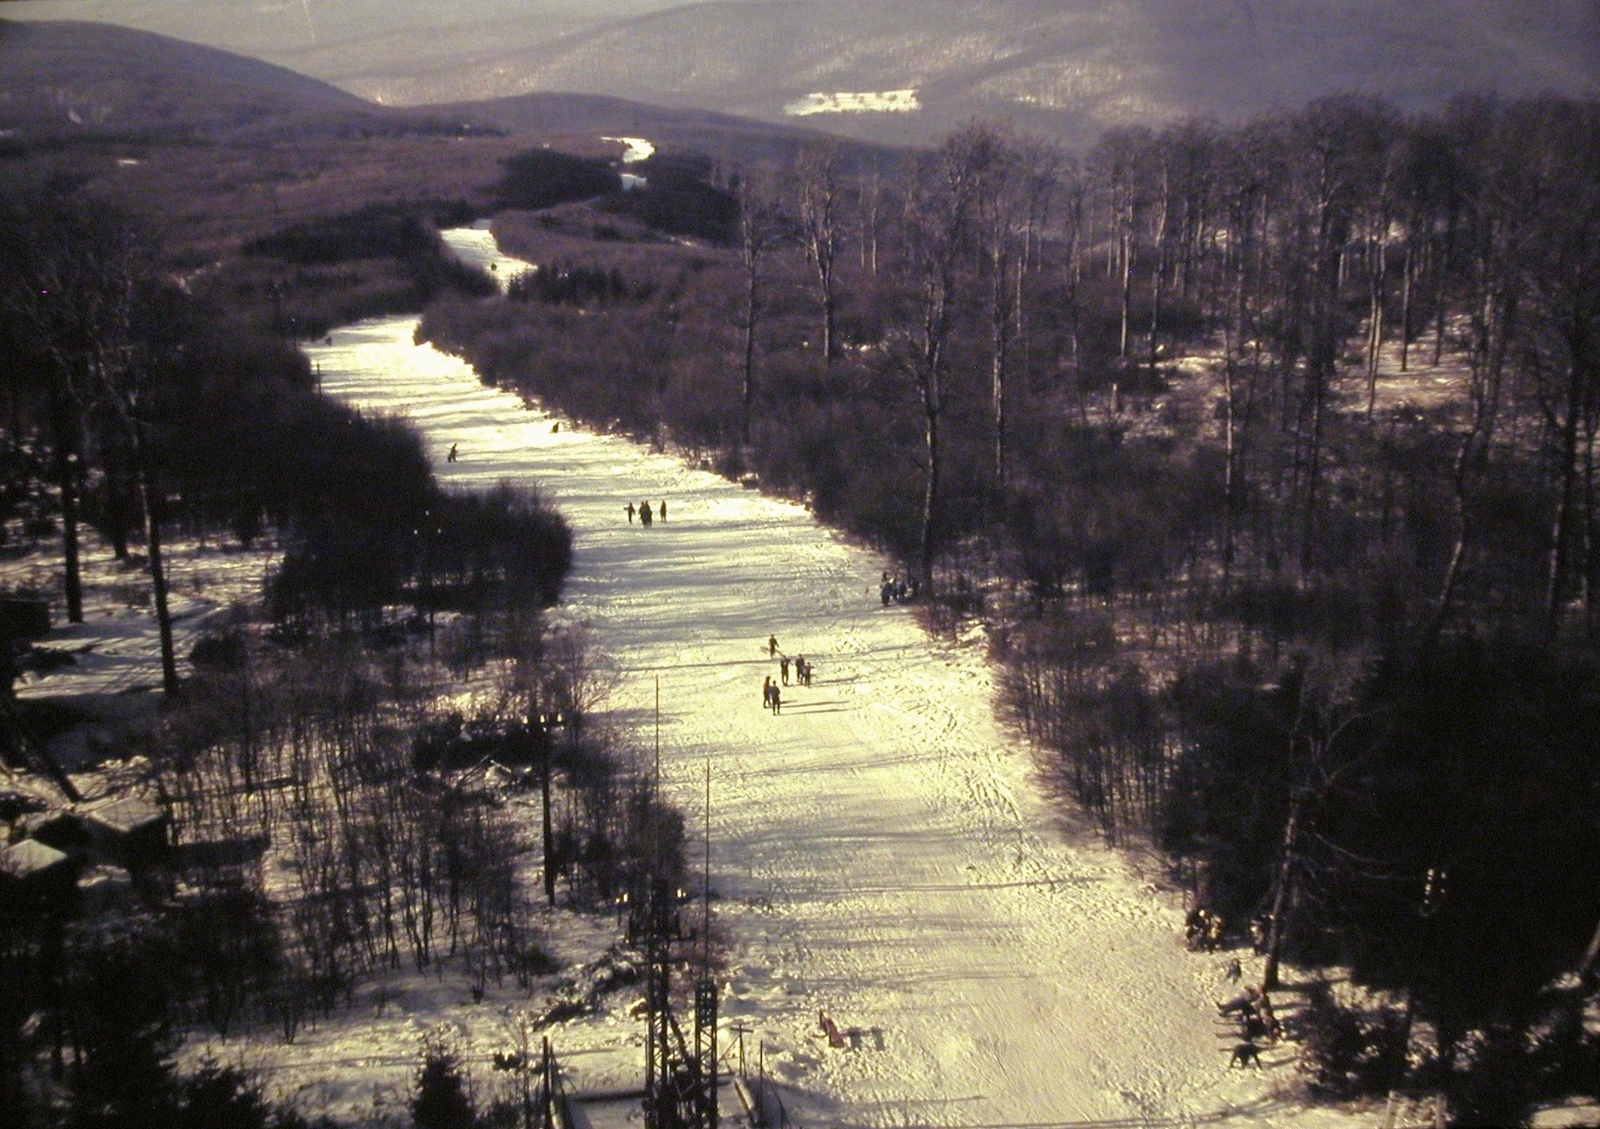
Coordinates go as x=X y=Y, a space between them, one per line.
x=880 y=850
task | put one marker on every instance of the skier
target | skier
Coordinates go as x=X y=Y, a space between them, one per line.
x=777 y=699
x=451 y=457
x=802 y=671
x=644 y=514
x=630 y=513
x=766 y=692
x=783 y=665
x=772 y=646
x=662 y=509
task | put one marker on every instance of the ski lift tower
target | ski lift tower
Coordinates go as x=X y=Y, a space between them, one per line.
x=680 y=1082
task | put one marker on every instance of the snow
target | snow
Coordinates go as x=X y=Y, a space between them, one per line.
x=854 y=102
x=881 y=851
x=634 y=148
x=116 y=649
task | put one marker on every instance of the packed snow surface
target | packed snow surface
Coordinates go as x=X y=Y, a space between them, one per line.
x=881 y=850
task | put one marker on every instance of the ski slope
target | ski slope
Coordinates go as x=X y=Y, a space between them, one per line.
x=880 y=850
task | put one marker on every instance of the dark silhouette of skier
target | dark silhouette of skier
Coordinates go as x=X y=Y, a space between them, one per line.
x=777 y=699
x=766 y=692
x=783 y=665
x=630 y=513
x=644 y=513
x=772 y=646
x=662 y=509
x=451 y=457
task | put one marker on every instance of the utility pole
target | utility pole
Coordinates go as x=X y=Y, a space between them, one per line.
x=540 y=728
x=705 y=993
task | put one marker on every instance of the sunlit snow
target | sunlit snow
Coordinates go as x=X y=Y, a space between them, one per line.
x=634 y=148
x=857 y=102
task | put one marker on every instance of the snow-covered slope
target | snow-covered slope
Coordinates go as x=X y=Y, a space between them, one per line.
x=880 y=849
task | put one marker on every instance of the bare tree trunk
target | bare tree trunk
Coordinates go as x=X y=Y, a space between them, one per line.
x=1561 y=528
x=150 y=498
x=1405 y=309
x=819 y=172
x=1375 y=323
x=1280 y=887
x=1000 y=324
x=748 y=395
x=1589 y=428
x=930 y=493
x=1229 y=452
x=1127 y=292
x=1157 y=271
x=1440 y=264
x=66 y=467
x=1488 y=364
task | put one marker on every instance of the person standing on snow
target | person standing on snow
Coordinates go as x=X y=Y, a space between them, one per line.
x=662 y=509
x=783 y=665
x=766 y=692
x=772 y=646
x=777 y=699
x=630 y=513
x=644 y=514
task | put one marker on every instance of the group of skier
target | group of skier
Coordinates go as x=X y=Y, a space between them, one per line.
x=771 y=692
x=645 y=515
x=896 y=589
x=802 y=670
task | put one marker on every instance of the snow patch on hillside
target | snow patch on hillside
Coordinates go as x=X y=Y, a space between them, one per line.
x=854 y=102
x=635 y=149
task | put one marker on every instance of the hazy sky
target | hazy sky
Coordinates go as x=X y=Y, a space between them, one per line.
x=271 y=27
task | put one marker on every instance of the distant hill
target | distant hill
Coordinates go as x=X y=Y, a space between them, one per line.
x=218 y=148
x=65 y=78
x=1065 y=67
x=1068 y=68
x=72 y=77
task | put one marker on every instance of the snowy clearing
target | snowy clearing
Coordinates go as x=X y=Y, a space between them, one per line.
x=116 y=649
x=854 y=102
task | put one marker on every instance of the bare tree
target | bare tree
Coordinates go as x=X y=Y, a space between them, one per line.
x=939 y=219
x=821 y=192
x=1013 y=179
x=762 y=226
x=55 y=294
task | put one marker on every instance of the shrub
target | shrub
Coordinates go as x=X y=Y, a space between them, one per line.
x=543 y=178
x=441 y=1100
x=377 y=231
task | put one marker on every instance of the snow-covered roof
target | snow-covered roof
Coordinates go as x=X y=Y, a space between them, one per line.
x=29 y=857
x=126 y=815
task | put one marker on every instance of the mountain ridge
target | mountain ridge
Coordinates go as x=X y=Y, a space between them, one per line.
x=1064 y=68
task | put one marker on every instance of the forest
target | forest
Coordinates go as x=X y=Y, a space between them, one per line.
x=1265 y=453
x=334 y=808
